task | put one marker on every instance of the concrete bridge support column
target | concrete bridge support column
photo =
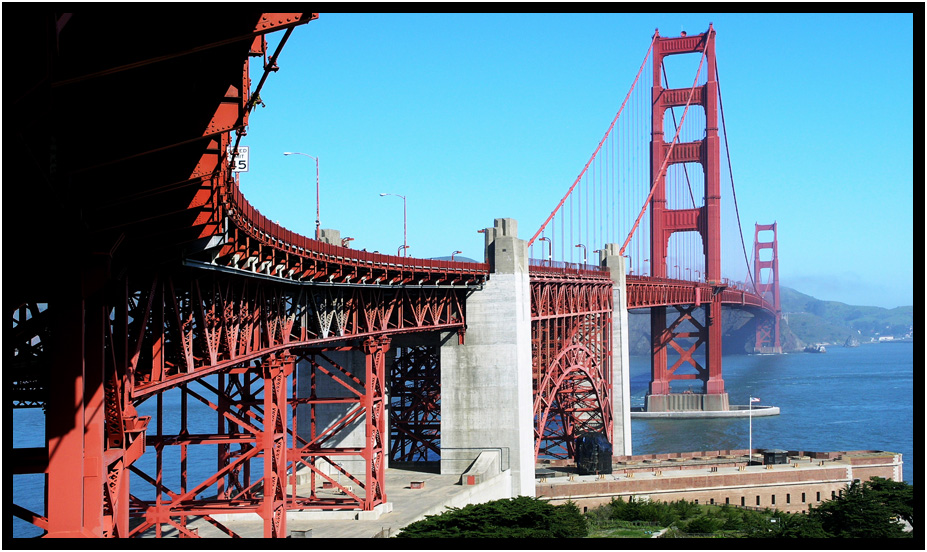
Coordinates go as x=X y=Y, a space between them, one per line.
x=486 y=384
x=621 y=363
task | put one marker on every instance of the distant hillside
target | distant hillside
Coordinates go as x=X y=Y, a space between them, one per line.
x=805 y=320
x=817 y=321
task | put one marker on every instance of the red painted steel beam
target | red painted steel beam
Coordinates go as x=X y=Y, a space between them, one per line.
x=571 y=361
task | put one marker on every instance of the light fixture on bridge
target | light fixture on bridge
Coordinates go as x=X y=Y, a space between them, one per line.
x=550 y=249
x=401 y=250
x=454 y=253
x=316 y=159
x=344 y=241
x=584 y=251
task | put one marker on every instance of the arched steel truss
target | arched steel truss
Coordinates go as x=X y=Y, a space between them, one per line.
x=571 y=340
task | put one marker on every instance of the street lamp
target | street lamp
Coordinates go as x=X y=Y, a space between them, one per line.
x=550 y=248
x=404 y=246
x=699 y=273
x=402 y=249
x=584 y=251
x=690 y=272
x=630 y=264
x=344 y=241
x=454 y=253
x=316 y=187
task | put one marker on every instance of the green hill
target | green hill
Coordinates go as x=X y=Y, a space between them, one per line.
x=816 y=321
x=805 y=320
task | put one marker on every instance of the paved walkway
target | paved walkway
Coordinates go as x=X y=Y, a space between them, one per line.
x=408 y=505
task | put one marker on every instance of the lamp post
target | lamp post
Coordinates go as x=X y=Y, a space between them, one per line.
x=404 y=245
x=550 y=250
x=454 y=253
x=584 y=251
x=677 y=270
x=316 y=159
x=630 y=264
x=699 y=274
x=402 y=249
x=344 y=241
x=644 y=273
x=690 y=272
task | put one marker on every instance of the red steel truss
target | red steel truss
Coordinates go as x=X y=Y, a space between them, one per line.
x=571 y=342
x=767 y=322
x=152 y=335
x=706 y=220
x=361 y=397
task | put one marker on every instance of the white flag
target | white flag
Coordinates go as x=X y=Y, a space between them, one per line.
x=754 y=399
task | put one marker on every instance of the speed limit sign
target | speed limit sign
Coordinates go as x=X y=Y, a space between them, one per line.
x=240 y=161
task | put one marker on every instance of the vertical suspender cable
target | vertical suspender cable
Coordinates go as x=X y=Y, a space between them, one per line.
x=541 y=229
x=672 y=145
x=731 y=172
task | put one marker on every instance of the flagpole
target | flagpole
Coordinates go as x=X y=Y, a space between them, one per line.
x=750 y=447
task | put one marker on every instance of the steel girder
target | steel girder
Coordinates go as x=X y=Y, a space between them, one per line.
x=250 y=406
x=140 y=337
x=571 y=333
x=187 y=328
x=645 y=292
x=362 y=398
x=255 y=244
x=684 y=336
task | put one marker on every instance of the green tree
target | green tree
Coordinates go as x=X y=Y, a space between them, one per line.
x=703 y=524
x=685 y=509
x=796 y=526
x=861 y=512
x=897 y=496
x=521 y=517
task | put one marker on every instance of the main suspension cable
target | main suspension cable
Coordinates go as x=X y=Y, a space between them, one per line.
x=607 y=132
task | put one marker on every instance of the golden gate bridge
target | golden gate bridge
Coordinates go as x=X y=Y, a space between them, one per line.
x=160 y=276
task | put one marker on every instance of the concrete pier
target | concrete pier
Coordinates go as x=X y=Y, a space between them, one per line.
x=734 y=411
x=621 y=363
x=486 y=385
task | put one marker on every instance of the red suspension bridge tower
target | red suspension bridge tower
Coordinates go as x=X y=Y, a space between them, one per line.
x=767 y=324
x=706 y=220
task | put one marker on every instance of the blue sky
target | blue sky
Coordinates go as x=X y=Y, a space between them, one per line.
x=475 y=117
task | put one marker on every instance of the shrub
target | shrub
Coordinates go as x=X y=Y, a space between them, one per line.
x=521 y=517
x=703 y=524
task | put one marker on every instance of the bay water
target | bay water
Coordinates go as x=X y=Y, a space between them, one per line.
x=846 y=399
x=859 y=398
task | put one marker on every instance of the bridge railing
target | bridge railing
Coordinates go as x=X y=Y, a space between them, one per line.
x=249 y=218
x=541 y=267
x=644 y=291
